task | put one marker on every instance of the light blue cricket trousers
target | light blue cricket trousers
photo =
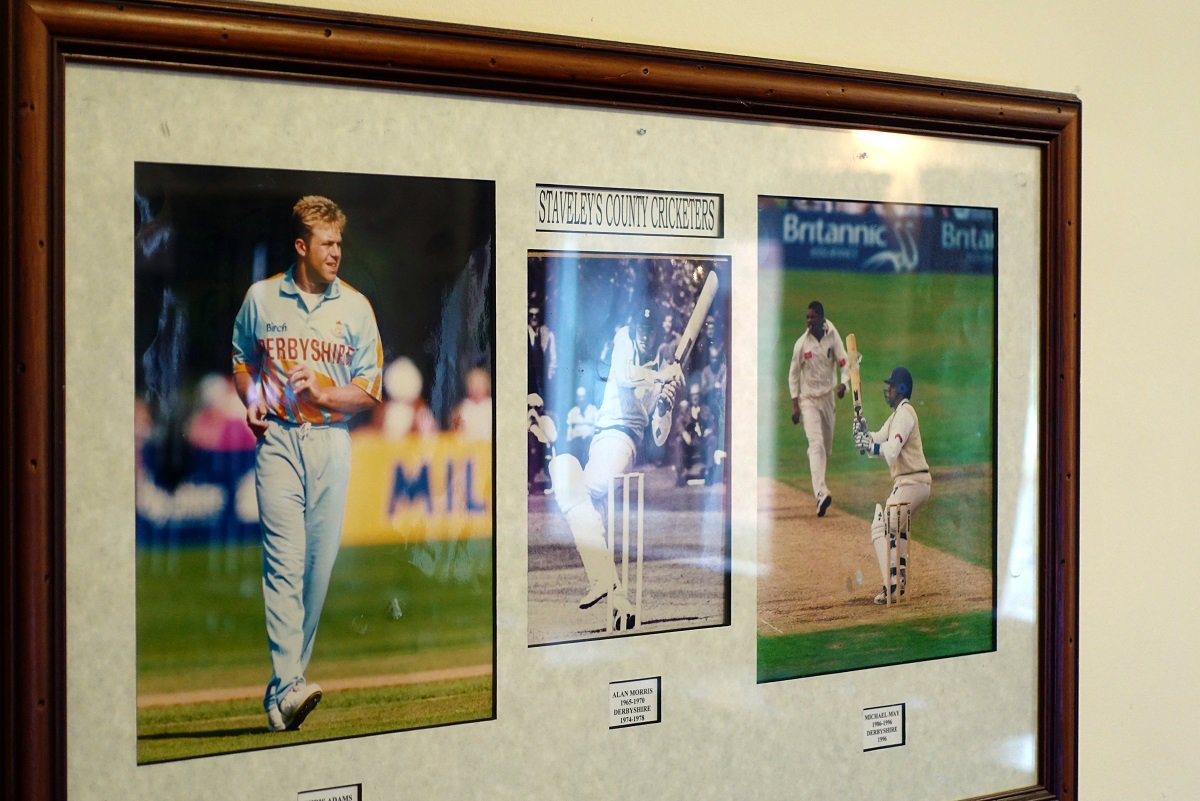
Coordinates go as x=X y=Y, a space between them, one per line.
x=301 y=476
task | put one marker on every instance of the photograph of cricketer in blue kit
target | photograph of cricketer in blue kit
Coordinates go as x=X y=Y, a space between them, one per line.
x=628 y=472
x=314 y=456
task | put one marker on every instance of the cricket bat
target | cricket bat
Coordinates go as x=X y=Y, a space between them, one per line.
x=692 y=331
x=674 y=370
x=855 y=378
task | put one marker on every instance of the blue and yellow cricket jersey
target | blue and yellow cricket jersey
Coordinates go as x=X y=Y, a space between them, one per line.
x=274 y=331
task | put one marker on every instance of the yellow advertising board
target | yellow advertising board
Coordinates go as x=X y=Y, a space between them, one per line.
x=417 y=489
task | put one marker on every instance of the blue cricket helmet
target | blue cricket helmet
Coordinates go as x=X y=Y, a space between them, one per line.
x=902 y=380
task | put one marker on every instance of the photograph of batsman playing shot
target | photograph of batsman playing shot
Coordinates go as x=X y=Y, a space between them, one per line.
x=314 y=529
x=902 y=567
x=634 y=538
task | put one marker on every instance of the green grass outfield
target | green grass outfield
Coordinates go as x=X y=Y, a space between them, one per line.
x=940 y=326
x=861 y=647
x=221 y=727
x=392 y=611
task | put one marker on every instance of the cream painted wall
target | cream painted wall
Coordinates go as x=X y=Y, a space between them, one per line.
x=1135 y=69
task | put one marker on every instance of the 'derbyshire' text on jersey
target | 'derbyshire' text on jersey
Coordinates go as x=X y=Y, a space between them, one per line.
x=274 y=331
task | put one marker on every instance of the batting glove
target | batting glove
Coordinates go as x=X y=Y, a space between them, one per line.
x=862 y=440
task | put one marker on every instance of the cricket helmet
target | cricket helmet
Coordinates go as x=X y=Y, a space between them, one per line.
x=901 y=380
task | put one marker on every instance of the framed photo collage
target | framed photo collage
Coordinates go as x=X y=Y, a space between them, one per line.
x=414 y=410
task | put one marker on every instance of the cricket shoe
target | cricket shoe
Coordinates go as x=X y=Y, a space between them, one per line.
x=275 y=719
x=823 y=504
x=595 y=594
x=301 y=700
x=624 y=618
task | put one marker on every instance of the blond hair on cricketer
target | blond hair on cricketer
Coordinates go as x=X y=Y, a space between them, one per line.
x=313 y=210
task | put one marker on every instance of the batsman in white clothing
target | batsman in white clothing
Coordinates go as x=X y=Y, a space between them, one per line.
x=898 y=441
x=638 y=392
x=813 y=381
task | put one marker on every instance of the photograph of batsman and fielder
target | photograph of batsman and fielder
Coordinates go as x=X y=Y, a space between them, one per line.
x=876 y=434
x=628 y=444
x=334 y=475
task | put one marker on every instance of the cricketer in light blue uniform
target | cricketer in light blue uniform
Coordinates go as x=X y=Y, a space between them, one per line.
x=306 y=357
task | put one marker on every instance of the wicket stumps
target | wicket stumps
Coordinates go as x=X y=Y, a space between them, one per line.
x=897 y=521
x=626 y=481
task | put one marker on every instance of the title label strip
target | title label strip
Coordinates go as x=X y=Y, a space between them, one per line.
x=629 y=212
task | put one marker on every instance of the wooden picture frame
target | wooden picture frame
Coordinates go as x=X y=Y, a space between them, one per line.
x=326 y=48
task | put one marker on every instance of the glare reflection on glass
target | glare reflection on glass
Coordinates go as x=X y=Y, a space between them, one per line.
x=1017 y=593
x=1018 y=752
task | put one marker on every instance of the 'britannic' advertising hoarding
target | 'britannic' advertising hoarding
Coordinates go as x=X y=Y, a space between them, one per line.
x=875 y=237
